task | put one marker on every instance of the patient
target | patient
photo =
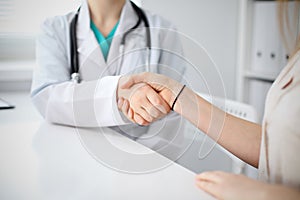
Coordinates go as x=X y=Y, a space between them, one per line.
x=272 y=147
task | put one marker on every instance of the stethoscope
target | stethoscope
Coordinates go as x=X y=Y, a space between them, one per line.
x=75 y=76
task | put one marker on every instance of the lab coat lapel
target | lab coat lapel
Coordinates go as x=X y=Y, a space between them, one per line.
x=128 y=19
x=88 y=47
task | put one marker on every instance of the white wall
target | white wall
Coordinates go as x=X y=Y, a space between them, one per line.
x=19 y=24
x=213 y=23
x=25 y=17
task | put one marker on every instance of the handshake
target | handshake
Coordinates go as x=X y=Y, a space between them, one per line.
x=146 y=97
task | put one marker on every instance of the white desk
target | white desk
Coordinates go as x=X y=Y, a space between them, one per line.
x=44 y=161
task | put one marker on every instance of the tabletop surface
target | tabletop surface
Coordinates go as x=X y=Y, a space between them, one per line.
x=40 y=160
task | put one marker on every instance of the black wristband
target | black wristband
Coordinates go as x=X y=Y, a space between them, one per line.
x=177 y=97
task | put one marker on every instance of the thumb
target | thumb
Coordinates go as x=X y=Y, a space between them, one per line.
x=133 y=79
x=128 y=82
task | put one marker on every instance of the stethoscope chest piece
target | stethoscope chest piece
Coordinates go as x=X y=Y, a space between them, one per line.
x=75 y=77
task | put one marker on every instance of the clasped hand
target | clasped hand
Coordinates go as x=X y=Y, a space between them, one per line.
x=143 y=99
x=141 y=104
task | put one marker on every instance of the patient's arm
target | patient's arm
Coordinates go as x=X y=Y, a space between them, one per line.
x=240 y=137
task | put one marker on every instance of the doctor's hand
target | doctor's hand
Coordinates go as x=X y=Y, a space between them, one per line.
x=141 y=103
x=225 y=186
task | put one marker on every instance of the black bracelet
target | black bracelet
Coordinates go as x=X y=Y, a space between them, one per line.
x=177 y=97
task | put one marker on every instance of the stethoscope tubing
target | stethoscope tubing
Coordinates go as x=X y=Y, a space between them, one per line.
x=75 y=75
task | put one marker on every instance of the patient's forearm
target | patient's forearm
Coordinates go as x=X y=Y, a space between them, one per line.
x=278 y=192
x=240 y=137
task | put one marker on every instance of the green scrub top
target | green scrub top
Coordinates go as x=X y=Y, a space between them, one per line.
x=104 y=42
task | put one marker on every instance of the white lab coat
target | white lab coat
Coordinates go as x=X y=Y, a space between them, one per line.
x=92 y=103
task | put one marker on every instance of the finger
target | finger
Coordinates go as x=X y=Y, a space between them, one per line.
x=144 y=114
x=125 y=107
x=127 y=111
x=138 y=119
x=151 y=109
x=209 y=187
x=130 y=113
x=158 y=102
x=128 y=83
x=214 y=176
x=154 y=112
x=120 y=103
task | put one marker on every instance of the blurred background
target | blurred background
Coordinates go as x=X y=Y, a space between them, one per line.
x=241 y=36
x=19 y=25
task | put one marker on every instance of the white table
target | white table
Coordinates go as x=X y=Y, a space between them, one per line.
x=44 y=161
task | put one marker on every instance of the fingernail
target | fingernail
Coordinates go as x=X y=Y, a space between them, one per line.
x=150 y=119
x=139 y=122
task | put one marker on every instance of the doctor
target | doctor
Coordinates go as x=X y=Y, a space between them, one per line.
x=100 y=27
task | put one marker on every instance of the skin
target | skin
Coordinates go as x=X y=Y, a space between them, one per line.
x=235 y=186
x=231 y=132
x=240 y=137
x=105 y=14
x=147 y=105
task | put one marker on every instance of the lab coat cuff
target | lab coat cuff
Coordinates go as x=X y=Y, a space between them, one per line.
x=107 y=88
x=119 y=115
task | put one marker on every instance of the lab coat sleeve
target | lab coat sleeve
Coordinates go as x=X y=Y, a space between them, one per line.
x=88 y=104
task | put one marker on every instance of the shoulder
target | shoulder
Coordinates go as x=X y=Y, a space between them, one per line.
x=287 y=94
x=57 y=23
x=291 y=74
x=54 y=34
x=296 y=57
x=156 y=20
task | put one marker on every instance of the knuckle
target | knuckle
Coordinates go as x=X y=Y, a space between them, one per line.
x=147 y=117
x=157 y=101
x=154 y=112
x=144 y=89
x=139 y=120
x=145 y=74
x=135 y=100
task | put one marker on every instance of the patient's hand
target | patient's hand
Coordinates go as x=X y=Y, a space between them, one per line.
x=141 y=103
